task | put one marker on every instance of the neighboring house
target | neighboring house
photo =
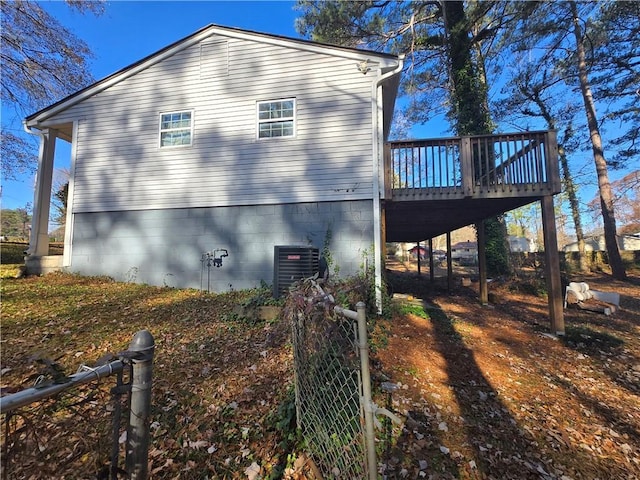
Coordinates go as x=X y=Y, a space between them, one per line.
x=465 y=252
x=521 y=244
x=625 y=242
x=226 y=139
x=424 y=252
x=438 y=255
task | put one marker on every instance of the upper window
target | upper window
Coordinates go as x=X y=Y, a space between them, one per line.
x=176 y=129
x=276 y=118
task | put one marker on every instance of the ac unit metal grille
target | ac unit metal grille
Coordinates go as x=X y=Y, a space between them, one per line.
x=291 y=264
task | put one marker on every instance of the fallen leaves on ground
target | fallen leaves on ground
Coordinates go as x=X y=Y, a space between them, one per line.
x=483 y=391
x=487 y=393
x=218 y=379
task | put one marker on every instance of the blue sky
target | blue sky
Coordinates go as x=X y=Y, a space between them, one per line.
x=129 y=31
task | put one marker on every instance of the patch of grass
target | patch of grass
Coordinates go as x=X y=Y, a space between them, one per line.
x=413 y=309
x=412 y=370
x=10 y=270
x=13 y=252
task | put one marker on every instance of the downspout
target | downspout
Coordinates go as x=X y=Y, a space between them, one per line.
x=377 y=123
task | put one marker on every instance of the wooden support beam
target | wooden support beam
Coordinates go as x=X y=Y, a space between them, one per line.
x=482 y=262
x=552 y=266
x=418 y=251
x=449 y=264
x=431 y=272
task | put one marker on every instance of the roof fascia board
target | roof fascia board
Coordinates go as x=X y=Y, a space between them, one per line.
x=115 y=78
x=385 y=60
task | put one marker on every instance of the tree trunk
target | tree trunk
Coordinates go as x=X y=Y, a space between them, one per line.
x=570 y=188
x=470 y=115
x=469 y=93
x=604 y=186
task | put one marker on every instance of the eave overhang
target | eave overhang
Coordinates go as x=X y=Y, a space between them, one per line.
x=41 y=118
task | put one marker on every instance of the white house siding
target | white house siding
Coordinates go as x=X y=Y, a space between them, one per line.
x=120 y=166
x=165 y=247
x=625 y=242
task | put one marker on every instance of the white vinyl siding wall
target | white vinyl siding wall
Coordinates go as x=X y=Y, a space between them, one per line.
x=120 y=166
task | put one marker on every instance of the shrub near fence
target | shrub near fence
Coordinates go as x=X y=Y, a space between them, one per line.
x=73 y=427
x=333 y=386
x=328 y=396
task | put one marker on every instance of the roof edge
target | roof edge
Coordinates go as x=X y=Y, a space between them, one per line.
x=42 y=115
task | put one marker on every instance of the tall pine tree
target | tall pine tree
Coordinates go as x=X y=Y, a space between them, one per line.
x=566 y=36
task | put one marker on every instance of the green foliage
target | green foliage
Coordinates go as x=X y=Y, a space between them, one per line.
x=15 y=222
x=497 y=247
x=262 y=297
x=249 y=310
x=326 y=252
x=469 y=111
x=593 y=45
x=284 y=420
x=12 y=253
x=535 y=287
x=412 y=28
x=59 y=204
x=616 y=80
x=339 y=22
x=412 y=309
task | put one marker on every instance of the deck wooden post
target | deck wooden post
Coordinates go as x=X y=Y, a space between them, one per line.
x=467 y=166
x=552 y=265
x=449 y=263
x=482 y=262
x=418 y=245
x=388 y=175
x=431 y=272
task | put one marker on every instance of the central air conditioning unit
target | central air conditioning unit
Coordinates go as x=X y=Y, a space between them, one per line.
x=291 y=264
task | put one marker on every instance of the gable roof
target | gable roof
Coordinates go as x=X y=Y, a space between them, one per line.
x=466 y=245
x=387 y=61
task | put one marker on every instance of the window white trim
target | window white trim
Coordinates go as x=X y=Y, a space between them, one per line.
x=176 y=123
x=276 y=118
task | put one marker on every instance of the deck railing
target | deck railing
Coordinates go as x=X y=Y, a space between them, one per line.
x=480 y=166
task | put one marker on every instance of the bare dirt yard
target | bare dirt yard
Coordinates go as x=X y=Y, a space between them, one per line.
x=483 y=391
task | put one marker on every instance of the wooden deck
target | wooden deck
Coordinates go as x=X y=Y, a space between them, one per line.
x=437 y=186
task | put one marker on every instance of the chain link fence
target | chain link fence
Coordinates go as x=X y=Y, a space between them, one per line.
x=65 y=435
x=328 y=395
x=76 y=427
x=333 y=386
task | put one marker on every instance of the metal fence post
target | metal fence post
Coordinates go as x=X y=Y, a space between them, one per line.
x=363 y=345
x=141 y=348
